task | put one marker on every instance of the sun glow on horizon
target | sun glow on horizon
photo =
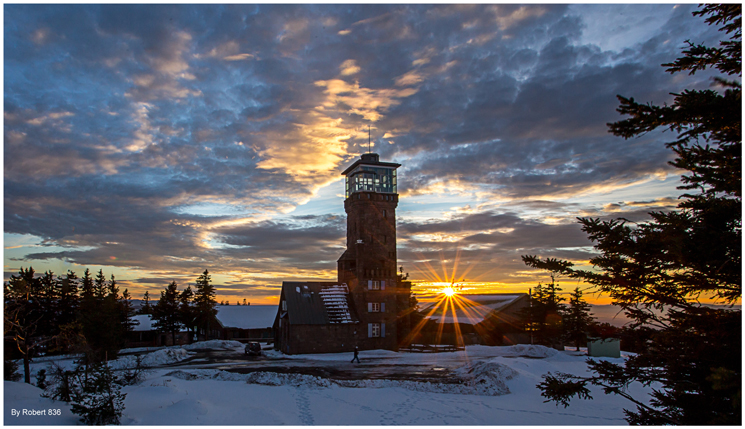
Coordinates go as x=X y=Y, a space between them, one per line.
x=449 y=291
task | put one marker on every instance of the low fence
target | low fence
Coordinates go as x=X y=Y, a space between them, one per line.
x=431 y=348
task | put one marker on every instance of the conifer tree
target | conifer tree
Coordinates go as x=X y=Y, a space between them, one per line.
x=87 y=291
x=166 y=312
x=24 y=317
x=113 y=288
x=100 y=318
x=113 y=330
x=68 y=298
x=187 y=313
x=205 y=302
x=48 y=303
x=658 y=271
x=67 y=308
x=127 y=311
x=543 y=318
x=99 y=286
x=146 y=307
x=577 y=319
x=98 y=399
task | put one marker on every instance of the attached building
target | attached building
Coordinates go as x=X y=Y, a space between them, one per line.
x=315 y=317
x=246 y=322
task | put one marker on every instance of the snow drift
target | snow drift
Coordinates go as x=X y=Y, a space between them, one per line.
x=156 y=358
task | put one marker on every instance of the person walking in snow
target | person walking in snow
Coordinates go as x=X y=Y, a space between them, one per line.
x=356 y=355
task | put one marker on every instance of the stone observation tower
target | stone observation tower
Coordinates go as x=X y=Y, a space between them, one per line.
x=366 y=306
x=368 y=266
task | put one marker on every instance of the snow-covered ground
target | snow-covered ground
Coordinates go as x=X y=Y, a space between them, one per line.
x=497 y=387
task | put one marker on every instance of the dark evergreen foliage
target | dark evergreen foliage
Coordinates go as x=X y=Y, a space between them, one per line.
x=127 y=311
x=166 y=315
x=27 y=323
x=62 y=387
x=542 y=319
x=100 y=318
x=187 y=313
x=10 y=370
x=87 y=291
x=67 y=304
x=146 y=307
x=41 y=379
x=577 y=319
x=99 y=286
x=98 y=399
x=657 y=271
x=45 y=313
x=205 y=302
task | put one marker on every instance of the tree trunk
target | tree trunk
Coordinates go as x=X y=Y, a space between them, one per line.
x=26 y=365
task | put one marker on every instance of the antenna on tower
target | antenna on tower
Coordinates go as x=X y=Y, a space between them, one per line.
x=368 y=139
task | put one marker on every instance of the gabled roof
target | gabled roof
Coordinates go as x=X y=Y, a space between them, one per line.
x=470 y=309
x=246 y=316
x=317 y=303
x=145 y=322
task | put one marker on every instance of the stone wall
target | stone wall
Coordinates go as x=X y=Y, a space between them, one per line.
x=331 y=338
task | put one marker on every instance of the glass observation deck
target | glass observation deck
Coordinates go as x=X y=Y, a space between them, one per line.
x=369 y=174
x=371 y=179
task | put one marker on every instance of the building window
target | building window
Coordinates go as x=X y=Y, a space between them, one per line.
x=374 y=284
x=284 y=305
x=373 y=307
x=375 y=330
x=385 y=214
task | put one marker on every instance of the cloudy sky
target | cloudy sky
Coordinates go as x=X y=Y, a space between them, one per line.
x=155 y=142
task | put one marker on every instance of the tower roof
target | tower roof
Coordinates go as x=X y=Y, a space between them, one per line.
x=372 y=159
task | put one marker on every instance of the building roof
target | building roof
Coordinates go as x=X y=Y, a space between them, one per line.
x=469 y=309
x=317 y=303
x=229 y=316
x=144 y=323
x=371 y=159
x=246 y=316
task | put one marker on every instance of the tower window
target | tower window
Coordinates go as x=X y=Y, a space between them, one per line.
x=374 y=284
x=374 y=330
x=385 y=214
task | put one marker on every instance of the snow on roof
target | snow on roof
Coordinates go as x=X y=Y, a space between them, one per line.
x=467 y=309
x=335 y=299
x=145 y=323
x=246 y=316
